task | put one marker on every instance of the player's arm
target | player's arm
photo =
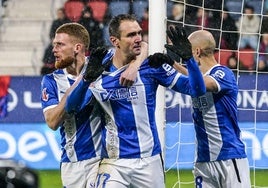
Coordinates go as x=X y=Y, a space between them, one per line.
x=177 y=62
x=128 y=77
x=193 y=84
x=180 y=68
x=81 y=95
x=210 y=83
x=182 y=48
x=56 y=115
x=77 y=97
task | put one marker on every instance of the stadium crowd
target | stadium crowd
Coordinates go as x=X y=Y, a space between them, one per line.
x=240 y=32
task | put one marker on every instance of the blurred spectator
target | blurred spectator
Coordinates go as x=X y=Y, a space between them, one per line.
x=213 y=8
x=48 y=60
x=249 y=24
x=202 y=18
x=235 y=64
x=177 y=13
x=263 y=53
x=61 y=19
x=3 y=6
x=264 y=25
x=145 y=24
x=105 y=31
x=85 y=2
x=48 y=57
x=232 y=62
x=229 y=35
x=197 y=18
x=3 y=3
x=93 y=27
x=191 y=7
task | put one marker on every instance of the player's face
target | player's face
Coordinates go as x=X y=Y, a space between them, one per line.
x=130 y=40
x=63 y=49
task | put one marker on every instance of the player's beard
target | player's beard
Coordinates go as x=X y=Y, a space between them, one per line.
x=68 y=61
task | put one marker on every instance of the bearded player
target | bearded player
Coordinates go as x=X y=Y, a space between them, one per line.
x=80 y=132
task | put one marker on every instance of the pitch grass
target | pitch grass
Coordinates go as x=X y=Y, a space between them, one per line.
x=51 y=179
x=186 y=177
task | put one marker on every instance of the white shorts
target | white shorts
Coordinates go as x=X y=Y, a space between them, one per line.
x=135 y=173
x=80 y=174
x=222 y=174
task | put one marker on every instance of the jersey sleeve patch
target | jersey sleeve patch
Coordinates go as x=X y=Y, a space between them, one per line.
x=219 y=74
x=44 y=94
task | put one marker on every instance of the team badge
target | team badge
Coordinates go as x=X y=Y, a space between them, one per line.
x=44 y=94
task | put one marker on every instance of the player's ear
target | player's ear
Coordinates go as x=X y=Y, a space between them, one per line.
x=198 y=52
x=77 y=47
x=114 y=41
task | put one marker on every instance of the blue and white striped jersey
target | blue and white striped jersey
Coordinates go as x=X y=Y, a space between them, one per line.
x=130 y=130
x=80 y=133
x=215 y=119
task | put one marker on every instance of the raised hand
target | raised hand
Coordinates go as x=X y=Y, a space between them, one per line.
x=129 y=76
x=158 y=59
x=95 y=66
x=180 y=43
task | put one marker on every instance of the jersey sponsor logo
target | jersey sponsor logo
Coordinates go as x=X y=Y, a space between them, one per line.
x=119 y=94
x=44 y=94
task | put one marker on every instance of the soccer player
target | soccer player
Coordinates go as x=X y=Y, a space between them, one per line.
x=221 y=160
x=131 y=152
x=80 y=132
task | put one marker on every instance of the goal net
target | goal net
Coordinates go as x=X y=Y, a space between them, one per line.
x=242 y=48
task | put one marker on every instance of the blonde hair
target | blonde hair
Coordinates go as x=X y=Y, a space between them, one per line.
x=77 y=31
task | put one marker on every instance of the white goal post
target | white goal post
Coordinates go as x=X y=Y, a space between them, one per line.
x=177 y=133
x=157 y=39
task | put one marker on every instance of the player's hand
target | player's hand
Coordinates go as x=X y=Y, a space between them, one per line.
x=95 y=66
x=174 y=56
x=158 y=59
x=129 y=76
x=180 y=43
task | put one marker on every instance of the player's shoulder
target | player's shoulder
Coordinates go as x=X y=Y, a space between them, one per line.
x=51 y=76
x=55 y=72
x=220 y=69
x=222 y=73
